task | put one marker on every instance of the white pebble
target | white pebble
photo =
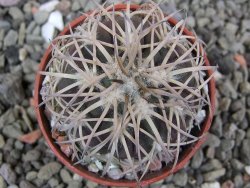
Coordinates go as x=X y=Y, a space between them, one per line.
x=77 y=177
x=211 y=185
x=200 y=116
x=49 y=6
x=99 y=164
x=247 y=169
x=93 y=168
x=115 y=173
x=48 y=32
x=56 y=20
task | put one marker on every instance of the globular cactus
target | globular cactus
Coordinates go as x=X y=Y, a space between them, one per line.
x=126 y=90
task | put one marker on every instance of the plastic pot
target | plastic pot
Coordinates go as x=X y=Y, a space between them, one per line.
x=185 y=156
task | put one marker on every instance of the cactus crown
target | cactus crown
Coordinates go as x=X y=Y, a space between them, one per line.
x=126 y=89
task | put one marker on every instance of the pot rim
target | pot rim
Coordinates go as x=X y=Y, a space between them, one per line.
x=80 y=170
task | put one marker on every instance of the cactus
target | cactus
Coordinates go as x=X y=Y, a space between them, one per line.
x=125 y=90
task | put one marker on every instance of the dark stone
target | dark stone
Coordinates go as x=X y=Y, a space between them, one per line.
x=12 y=55
x=11 y=90
x=226 y=64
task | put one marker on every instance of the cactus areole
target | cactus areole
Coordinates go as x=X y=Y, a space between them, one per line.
x=125 y=95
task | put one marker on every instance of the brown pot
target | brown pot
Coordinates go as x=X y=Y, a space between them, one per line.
x=185 y=156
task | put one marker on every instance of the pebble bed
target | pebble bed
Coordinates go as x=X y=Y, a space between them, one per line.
x=26 y=27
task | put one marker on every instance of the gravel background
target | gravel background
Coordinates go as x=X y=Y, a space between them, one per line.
x=224 y=161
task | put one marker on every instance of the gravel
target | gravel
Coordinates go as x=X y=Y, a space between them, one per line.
x=214 y=175
x=40 y=17
x=2 y=141
x=16 y=13
x=224 y=159
x=245 y=151
x=32 y=155
x=8 y=174
x=11 y=38
x=47 y=171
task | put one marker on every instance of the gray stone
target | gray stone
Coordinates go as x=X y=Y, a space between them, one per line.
x=191 y=21
x=60 y=186
x=2 y=183
x=47 y=171
x=224 y=104
x=2 y=61
x=212 y=141
x=210 y=153
x=214 y=175
x=245 y=25
x=12 y=131
x=2 y=141
x=31 y=27
x=248 y=133
x=11 y=38
x=216 y=127
x=40 y=17
x=240 y=135
x=245 y=151
x=197 y=159
x=13 y=186
x=75 y=184
x=38 y=182
x=53 y=182
x=7 y=118
x=227 y=145
x=65 y=176
x=5 y=25
x=36 y=31
x=1 y=158
x=31 y=175
x=229 y=130
x=213 y=164
x=245 y=38
x=26 y=184
x=238 y=180
x=210 y=12
x=32 y=155
x=231 y=28
x=29 y=66
x=202 y=22
x=16 y=13
x=31 y=39
x=180 y=179
x=239 y=115
x=8 y=3
x=224 y=43
x=91 y=184
x=226 y=88
x=21 y=33
x=245 y=88
x=75 y=6
x=8 y=174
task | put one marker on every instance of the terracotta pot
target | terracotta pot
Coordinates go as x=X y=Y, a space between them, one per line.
x=82 y=171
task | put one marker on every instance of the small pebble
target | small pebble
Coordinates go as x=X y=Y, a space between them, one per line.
x=11 y=38
x=47 y=171
x=247 y=169
x=2 y=141
x=41 y=16
x=214 y=175
x=8 y=173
